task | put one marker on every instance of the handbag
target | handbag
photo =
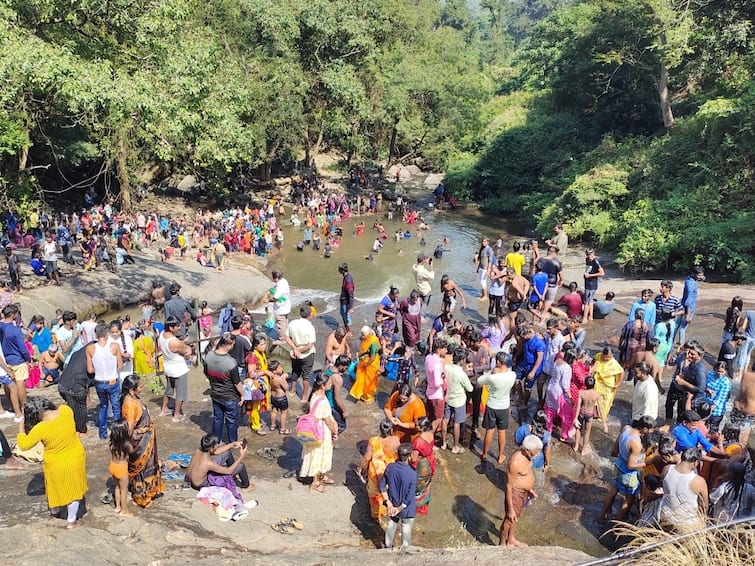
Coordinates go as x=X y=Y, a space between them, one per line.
x=309 y=429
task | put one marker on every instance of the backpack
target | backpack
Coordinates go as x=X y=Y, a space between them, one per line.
x=309 y=429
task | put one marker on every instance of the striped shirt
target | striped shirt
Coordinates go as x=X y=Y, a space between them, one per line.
x=670 y=305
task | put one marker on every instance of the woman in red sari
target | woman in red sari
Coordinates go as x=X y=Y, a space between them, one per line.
x=423 y=460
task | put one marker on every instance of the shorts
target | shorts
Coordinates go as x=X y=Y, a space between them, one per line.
x=495 y=418
x=590 y=295
x=739 y=419
x=118 y=470
x=550 y=293
x=345 y=315
x=521 y=373
x=515 y=305
x=436 y=408
x=484 y=279
x=279 y=403
x=5 y=380
x=459 y=414
x=51 y=267
x=54 y=373
x=20 y=372
x=627 y=483
x=585 y=418
x=178 y=388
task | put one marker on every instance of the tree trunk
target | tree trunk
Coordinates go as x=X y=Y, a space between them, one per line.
x=23 y=157
x=668 y=115
x=392 y=144
x=307 y=156
x=318 y=143
x=122 y=172
x=266 y=170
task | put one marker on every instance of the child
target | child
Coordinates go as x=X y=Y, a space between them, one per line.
x=120 y=449
x=278 y=398
x=588 y=407
x=205 y=319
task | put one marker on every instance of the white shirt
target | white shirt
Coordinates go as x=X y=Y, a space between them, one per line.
x=422 y=277
x=50 y=251
x=282 y=297
x=645 y=399
x=302 y=332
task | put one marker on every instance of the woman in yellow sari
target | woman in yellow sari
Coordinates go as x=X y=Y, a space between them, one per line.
x=144 y=353
x=608 y=376
x=381 y=450
x=259 y=375
x=368 y=368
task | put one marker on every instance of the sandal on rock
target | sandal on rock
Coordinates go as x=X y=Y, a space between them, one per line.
x=289 y=522
x=327 y=480
x=261 y=432
x=282 y=528
x=318 y=487
x=284 y=432
x=457 y=450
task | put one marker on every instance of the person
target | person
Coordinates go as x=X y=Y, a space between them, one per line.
x=560 y=241
x=104 y=361
x=717 y=390
x=398 y=488
x=336 y=345
x=120 y=450
x=16 y=355
x=694 y=378
x=664 y=333
x=539 y=289
x=144 y=351
x=593 y=272
x=278 y=397
x=387 y=313
x=645 y=395
x=634 y=337
x=435 y=393
x=73 y=387
x=381 y=451
x=520 y=488
x=212 y=464
x=145 y=479
x=14 y=269
x=529 y=367
x=588 y=407
x=734 y=498
x=347 y=296
x=438 y=327
x=558 y=400
x=317 y=458
x=258 y=376
x=743 y=412
x=64 y=464
x=608 y=376
x=403 y=410
x=685 y=494
x=423 y=461
x=537 y=427
x=689 y=302
x=411 y=319
x=667 y=303
x=11 y=392
x=300 y=336
x=122 y=337
x=179 y=308
x=483 y=259
x=572 y=303
x=734 y=320
x=477 y=363
x=499 y=382
x=51 y=361
x=744 y=353
x=336 y=372
x=175 y=354
x=517 y=290
x=644 y=303
x=728 y=352
x=50 y=254
x=226 y=391
x=551 y=266
x=450 y=291
x=368 y=367
x=688 y=435
x=601 y=309
x=515 y=260
x=41 y=335
x=280 y=296
x=457 y=382
x=630 y=460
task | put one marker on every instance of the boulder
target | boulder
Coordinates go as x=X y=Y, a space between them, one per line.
x=433 y=180
x=187 y=183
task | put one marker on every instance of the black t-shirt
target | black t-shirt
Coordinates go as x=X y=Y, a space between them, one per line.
x=223 y=375
x=591 y=267
x=551 y=267
x=241 y=348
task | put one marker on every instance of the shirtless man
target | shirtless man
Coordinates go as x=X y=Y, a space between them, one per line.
x=520 y=486
x=278 y=397
x=516 y=294
x=588 y=407
x=336 y=345
x=212 y=465
x=743 y=413
x=51 y=361
x=648 y=356
x=159 y=294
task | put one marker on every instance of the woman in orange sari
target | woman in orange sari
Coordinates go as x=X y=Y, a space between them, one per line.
x=368 y=367
x=145 y=480
x=381 y=450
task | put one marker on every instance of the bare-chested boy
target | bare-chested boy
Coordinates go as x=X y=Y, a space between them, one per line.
x=588 y=407
x=278 y=397
x=51 y=362
x=520 y=487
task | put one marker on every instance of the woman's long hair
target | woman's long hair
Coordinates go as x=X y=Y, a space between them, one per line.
x=33 y=411
x=130 y=383
x=733 y=314
x=120 y=440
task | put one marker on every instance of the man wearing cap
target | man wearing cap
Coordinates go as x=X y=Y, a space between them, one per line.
x=689 y=302
x=423 y=275
x=347 y=296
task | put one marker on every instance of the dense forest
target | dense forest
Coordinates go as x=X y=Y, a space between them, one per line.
x=632 y=122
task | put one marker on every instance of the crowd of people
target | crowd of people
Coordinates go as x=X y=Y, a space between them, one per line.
x=455 y=386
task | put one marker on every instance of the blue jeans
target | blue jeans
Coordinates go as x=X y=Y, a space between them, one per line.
x=225 y=412
x=108 y=394
x=743 y=356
